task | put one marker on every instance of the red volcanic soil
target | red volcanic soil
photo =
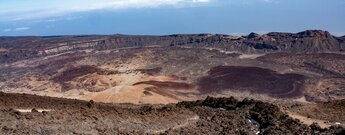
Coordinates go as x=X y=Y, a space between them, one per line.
x=70 y=74
x=254 y=79
x=75 y=72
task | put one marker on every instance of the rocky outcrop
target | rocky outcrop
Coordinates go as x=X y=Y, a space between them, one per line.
x=310 y=41
x=209 y=116
x=62 y=47
x=253 y=35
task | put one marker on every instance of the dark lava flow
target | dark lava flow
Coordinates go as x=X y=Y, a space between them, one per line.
x=253 y=79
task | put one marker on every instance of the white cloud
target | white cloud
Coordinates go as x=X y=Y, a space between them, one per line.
x=16 y=29
x=51 y=20
x=7 y=30
x=272 y=1
x=42 y=8
x=268 y=1
x=21 y=28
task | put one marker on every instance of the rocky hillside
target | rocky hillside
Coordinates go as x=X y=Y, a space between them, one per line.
x=209 y=116
x=311 y=41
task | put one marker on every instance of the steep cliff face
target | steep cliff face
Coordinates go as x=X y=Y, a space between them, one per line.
x=310 y=41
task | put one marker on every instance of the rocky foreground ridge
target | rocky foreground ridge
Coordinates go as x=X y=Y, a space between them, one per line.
x=209 y=116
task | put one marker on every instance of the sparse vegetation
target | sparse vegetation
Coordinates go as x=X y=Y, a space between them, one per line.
x=90 y=104
x=34 y=110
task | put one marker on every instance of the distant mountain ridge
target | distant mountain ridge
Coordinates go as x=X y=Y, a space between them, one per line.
x=309 y=41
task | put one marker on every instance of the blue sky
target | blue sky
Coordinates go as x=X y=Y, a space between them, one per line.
x=161 y=17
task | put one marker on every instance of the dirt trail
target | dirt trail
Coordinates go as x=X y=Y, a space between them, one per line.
x=186 y=123
x=309 y=121
x=30 y=110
